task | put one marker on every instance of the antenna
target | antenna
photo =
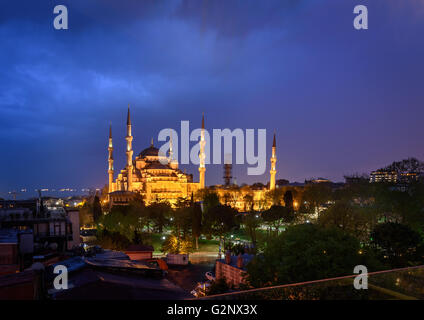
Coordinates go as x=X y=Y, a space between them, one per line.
x=227 y=170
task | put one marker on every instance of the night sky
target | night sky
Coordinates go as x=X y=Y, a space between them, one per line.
x=342 y=101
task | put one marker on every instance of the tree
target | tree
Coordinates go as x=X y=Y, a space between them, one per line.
x=158 y=213
x=196 y=227
x=396 y=241
x=277 y=215
x=248 y=202
x=317 y=194
x=308 y=252
x=288 y=200
x=210 y=200
x=251 y=222
x=174 y=245
x=258 y=185
x=86 y=214
x=407 y=165
x=274 y=196
x=97 y=208
x=118 y=221
x=221 y=220
x=141 y=216
x=282 y=182
x=112 y=240
x=353 y=219
x=181 y=221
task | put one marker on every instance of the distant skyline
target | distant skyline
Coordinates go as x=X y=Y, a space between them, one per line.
x=341 y=101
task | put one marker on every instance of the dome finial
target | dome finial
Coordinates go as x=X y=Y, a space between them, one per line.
x=203 y=120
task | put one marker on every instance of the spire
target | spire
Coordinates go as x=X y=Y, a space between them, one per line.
x=110 y=160
x=273 y=170
x=170 y=146
x=128 y=116
x=202 y=155
x=151 y=142
x=129 y=152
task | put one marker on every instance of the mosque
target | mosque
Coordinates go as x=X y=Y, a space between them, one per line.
x=152 y=176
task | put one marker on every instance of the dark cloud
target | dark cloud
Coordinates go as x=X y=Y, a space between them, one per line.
x=341 y=100
x=237 y=17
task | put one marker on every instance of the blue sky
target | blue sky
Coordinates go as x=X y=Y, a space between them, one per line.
x=341 y=101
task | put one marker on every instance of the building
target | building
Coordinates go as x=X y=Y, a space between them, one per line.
x=152 y=176
x=232 y=268
x=48 y=225
x=394 y=176
x=318 y=180
x=16 y=248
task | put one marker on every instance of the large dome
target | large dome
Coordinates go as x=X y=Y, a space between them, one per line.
x=150 y=151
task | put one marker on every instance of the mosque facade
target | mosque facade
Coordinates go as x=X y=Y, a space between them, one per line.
x=153 y=176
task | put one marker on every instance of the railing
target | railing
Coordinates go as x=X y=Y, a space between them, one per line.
x=400 y=284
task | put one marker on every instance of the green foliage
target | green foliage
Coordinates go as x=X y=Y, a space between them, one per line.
x=235 y=249
x=274 y=196
x=407 y=165
x=221 y=220
x=97 y=209
x=210 y=199
x=112 y=240
x=180 y=221
x=196 y=222
x=307 y=252
x=86 y=214
x=277 y=215
x=251 y=222
x=158 y=213
x=398 y=242
x=176 y=245
x=288 y=199
x=317 y=194
x=125 y=220
x=353 y=219
x=248 y=202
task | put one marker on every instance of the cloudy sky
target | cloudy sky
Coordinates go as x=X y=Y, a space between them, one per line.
x=340 y=100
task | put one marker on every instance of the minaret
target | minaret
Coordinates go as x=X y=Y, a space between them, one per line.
x=110 y=160
x=273 y=171
x=202 y=155
x=171 y=152
x=173 y=162
x=129 y=152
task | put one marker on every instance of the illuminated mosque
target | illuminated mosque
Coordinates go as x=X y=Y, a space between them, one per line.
x=157 y=177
